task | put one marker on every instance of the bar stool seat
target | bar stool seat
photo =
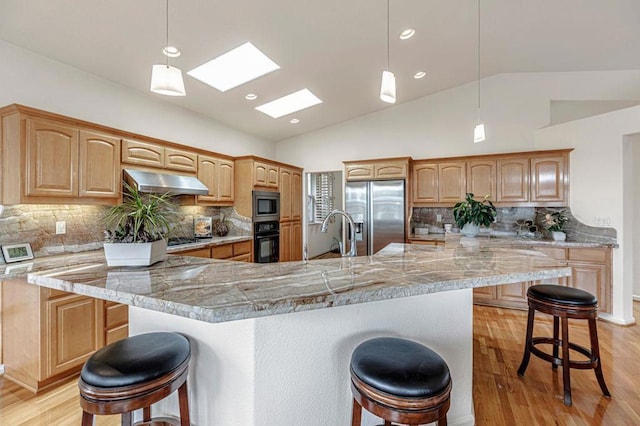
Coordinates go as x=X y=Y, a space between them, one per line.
x=134 y=373
x=400 y=381
x=563 y=303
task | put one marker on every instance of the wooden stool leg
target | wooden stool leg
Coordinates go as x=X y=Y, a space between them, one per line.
x=527 y=342
x=183 y=401
x=87 y=419
x=442 y=421
x=566 y=378
x=595 y=352
x=146 y=414
x=556 y=339
x=127 y=419
x=387 y=423
x=356 y=414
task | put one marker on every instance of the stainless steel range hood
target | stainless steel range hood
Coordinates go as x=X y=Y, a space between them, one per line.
x=162 y=183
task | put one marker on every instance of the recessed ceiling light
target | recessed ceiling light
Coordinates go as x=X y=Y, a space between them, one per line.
x=419 y=74
x=251 y=96
x=294 y=121
x=291 y=103
x=171 y=51
x=406 y=34
x=236 y=67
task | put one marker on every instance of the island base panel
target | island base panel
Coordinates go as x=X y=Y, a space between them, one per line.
x=281 y=369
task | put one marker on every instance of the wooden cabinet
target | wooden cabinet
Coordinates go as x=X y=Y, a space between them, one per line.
x=590 y=271
x=239 y=251
x=48 y=334
x=99 y=165
x=387 y=168
x=217 y=175
x=142 y=153
x=296 y=241
x=198 y=252
x=52 y=159
x=438 y=183
x=179 y=159
x=265 y=174
x=290 y=214
x=513 y=180
x=296 y=195
x=481 y=179
x=285 y=194
x=549 y=183
x=285 y=242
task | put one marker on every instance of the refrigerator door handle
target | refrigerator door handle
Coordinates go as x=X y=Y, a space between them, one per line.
x=370 y=218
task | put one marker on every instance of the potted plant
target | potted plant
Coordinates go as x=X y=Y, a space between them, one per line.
x=554 y=223
x=470 y=214
x=138 y=227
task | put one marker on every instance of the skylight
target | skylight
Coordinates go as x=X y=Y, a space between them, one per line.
x=291 y=103
x=236 y=67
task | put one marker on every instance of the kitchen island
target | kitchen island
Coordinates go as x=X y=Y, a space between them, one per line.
x=272 y=342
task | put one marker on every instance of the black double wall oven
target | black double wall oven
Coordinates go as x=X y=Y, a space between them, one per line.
x=266 y=226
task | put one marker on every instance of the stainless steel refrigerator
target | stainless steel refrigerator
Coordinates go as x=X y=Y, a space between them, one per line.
x=378 y=209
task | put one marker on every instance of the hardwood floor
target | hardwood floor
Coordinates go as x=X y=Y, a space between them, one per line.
x=501 y=397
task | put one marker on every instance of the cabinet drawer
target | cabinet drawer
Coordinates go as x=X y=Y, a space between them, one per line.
x=597 y=255
x=203 y=252
x=243 y=247
x=553 y=252
x=222 y=252
x=116 y=315
x=116 y=334
x=242 y=258
x=52 y=294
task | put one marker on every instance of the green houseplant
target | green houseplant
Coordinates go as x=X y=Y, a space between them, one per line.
x=554 y=222
x=138 y=227
x=470 y=214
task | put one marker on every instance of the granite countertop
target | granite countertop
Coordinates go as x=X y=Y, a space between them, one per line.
x=219 y=290
x=208 y=242
x=496 y=240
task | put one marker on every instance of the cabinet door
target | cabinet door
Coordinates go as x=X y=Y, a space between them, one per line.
x=143 y=153
x=425 y=183
x=225 y=180
x=99 y=165
x=296 y=195
x=74 y=332
x=358 y=171
x=242 y=248
x=285 y=194
x=513 y=293
x=481 y=179
x=390 y=170
x=548 y=179
x=178 y=159
x=273 y=173
x=208 y=174
x=452 y=182
x=52 y=159
x=296 y=241
x=260 y=174
x=592 y=277
x=484 y=295
x=224 y=251
x=513 y=180
x=285 y=242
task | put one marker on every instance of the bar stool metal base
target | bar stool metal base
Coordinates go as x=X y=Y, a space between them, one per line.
x=561 y=314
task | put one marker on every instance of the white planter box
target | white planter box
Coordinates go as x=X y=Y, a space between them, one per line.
x=135 y=254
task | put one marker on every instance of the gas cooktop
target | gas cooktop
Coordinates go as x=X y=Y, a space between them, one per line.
x=180 y=240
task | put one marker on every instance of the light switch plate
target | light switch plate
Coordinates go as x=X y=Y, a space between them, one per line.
x=61 y=227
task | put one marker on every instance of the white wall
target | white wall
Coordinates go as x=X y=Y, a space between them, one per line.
x=635 y=179
x=36 y=81
x=514 y=107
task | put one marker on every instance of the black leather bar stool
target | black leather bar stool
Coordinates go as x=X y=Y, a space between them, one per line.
x=563 y=303
x=134 y=373
x=400 y=381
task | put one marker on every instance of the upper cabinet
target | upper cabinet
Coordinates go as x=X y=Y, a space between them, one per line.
x=217 y=175
x=265 y=174
x=158 y=156
x=391 y=168
x=527 y=179
x=290 y=194
x=50 y=161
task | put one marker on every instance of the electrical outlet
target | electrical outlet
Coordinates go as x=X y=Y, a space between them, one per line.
x=438 y=218
x=61 y=227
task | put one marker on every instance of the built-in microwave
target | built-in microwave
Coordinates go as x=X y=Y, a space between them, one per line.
x=266 y=206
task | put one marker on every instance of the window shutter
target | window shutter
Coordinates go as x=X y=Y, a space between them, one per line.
x=323 y=196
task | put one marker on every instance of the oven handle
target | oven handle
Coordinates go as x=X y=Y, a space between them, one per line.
x=259 y=237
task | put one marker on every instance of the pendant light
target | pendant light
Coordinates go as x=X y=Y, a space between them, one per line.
x=166 y=79
x=478 y=131
x=388 y=85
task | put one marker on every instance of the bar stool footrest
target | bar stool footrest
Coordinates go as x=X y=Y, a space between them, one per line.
x=580 y=365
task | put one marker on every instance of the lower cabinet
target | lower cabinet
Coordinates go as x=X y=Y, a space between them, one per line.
x=590 y=271
x=290 y=241
x=47 y=335
x=240 y=251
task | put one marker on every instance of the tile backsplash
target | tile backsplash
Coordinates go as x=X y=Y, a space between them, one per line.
x=35 y=224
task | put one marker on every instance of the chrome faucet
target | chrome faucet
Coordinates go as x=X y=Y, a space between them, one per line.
x=352 y=226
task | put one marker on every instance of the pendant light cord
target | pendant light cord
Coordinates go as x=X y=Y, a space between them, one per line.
x=388 y=42
x=167 y=27
x=478 y=61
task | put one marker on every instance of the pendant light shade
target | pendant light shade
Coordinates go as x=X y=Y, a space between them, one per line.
x=388 y=87
x=167 y=80
x=478 y=133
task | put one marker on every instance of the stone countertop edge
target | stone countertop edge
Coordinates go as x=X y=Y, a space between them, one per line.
x=497 y=239
x=217 y=291
x=209 y=242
